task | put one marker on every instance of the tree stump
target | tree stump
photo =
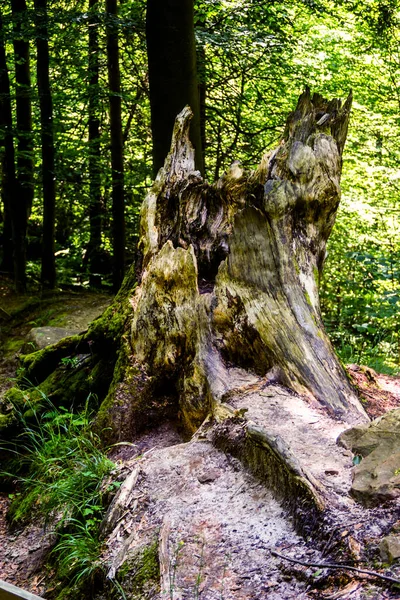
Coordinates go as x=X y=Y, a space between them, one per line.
x=218 y=327
x=228 y=277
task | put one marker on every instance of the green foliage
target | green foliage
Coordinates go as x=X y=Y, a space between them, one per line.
x=70 y=362
x=78 y=555
x=253 y=61
x=141 y=572
x=60 y=467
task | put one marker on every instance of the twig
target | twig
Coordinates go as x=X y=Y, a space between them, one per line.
x=336 y=566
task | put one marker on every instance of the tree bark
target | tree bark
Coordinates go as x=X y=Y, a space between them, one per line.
x=48 y=275
x=7 y=265
x=117 y=152
x=25 y=140
x=171 y=51
x=94 y=143
x=7 y=158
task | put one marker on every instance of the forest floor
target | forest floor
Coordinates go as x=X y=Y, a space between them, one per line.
x=233 y=507
x=22 y=550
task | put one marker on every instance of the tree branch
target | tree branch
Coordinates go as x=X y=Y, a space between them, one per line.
x=336 y=566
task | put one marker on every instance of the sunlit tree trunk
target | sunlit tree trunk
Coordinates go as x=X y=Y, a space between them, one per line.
x=171 y=51
x=95 y=220
x=25 y=140
x=117 y=151
x=48 y=275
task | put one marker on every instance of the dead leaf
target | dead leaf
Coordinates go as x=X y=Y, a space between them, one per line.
x=344 y=592
x=355 y=548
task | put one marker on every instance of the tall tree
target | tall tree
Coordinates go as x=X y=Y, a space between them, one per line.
x=48 y=275
x=117 y=149
x=7 y=156
x=171 y=50
x=94 y=140
x=25 y=139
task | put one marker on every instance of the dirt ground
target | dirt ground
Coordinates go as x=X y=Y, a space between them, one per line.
x=379 y=393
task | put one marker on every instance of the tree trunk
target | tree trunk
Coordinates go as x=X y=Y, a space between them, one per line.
x=172 y=74
x=229 y=274
x=6 y=265
x=48 y=275
x=94 y=143
x=117 y=151
x=25 y=139
x=7 y=157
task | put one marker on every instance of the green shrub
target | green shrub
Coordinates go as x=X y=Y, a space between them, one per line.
x=60 y=467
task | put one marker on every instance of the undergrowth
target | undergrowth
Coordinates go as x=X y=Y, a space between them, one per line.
x=59 y=467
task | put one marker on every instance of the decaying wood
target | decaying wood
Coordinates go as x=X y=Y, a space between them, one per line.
x=229 y=276
x=227 y=296
x=165 y=559
x=218 y=328
x=120 y=504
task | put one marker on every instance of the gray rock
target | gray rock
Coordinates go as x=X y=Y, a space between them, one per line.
x=377 y=478
x=390 y=548
x=40 y=337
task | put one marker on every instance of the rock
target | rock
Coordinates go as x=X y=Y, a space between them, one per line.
x=208 y=476
x=390 y=548
x=40 y=337
x=377 y=478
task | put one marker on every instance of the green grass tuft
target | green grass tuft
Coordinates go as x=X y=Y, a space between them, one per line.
x=60 y=467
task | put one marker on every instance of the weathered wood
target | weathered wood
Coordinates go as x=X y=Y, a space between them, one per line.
x=11 y=592
x=120 y=504
x=164 y=559
x=229 y=275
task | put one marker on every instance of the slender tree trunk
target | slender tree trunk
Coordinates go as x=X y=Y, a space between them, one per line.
x=171 y=51
x=47 y=134
x=202 y=82
x=117 y=152
x=25 y=162
x=201 y=57
x=7 y=263
x=94 y=142
x=7 y=158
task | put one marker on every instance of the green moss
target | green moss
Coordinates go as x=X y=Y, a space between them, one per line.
x=123 y=370
x=38 y=365
x=12 y=346
x=111 y=324
x=24 y=403
x=141 y=572
x=15 y=397
x=6 y=421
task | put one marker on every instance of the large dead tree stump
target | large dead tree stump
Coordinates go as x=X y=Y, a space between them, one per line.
x=227 y=279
